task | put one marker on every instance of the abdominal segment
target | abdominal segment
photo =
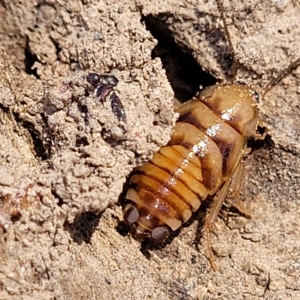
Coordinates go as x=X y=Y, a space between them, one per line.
x=201 y=155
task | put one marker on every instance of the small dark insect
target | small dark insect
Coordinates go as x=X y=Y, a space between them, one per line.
x=104 y=85
x=117 y=107
x=203 y=158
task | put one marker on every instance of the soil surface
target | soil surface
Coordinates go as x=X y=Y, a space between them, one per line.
x=65 y=156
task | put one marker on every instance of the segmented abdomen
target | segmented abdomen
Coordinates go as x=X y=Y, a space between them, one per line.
x=202 y=154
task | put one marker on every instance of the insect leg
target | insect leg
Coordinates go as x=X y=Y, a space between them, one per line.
x=211 y=217
x=231 y=48
x=102 y=92
x=293 y=65
x=235 y=185
x=176 y=103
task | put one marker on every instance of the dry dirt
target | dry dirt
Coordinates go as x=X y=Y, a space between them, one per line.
x=65 y=157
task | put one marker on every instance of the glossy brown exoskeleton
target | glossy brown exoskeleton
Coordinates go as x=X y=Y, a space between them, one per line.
x=204 y=157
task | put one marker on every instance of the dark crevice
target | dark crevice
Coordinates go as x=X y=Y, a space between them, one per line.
x=38 y=145
x=15 y=218
x=56 y=196
x=82 y=141
x=82 y=229
x=4 y=109
x=183 y=71
x=3 y=4
x=57 y=47
x=29 y=61
x=122 y=228
x=267 y=142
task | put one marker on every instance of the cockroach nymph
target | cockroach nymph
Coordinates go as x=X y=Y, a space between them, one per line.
x=104 y=85
x=204 y=157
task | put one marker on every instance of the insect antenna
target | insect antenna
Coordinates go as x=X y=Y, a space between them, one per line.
x=293 y=65
x=231 y=49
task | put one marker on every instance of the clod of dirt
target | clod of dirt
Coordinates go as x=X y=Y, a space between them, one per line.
x=65 y=156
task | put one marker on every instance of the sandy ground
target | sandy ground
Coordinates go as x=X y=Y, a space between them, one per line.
x=65 y=157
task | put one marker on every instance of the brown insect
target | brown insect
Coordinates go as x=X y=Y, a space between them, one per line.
x=204 y=157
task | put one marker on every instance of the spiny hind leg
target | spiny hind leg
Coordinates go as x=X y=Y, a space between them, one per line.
x=235 y=185
x=211 y=218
